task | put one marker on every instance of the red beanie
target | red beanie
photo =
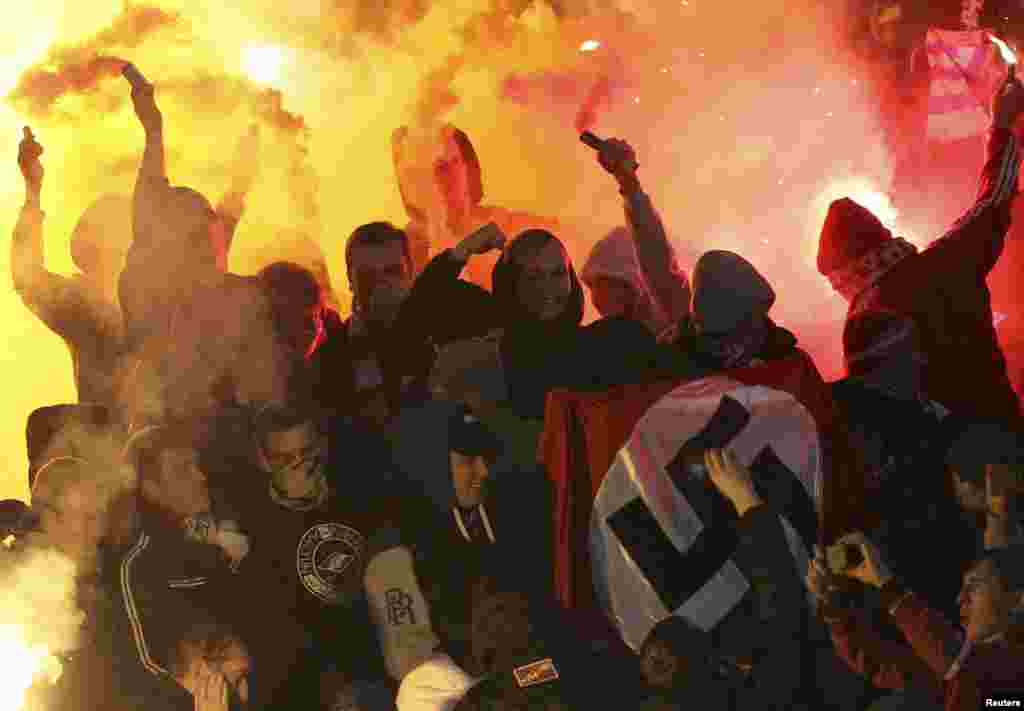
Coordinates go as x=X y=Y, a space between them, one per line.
x=850 y=231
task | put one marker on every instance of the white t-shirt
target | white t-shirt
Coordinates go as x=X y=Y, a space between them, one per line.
x=436 y=685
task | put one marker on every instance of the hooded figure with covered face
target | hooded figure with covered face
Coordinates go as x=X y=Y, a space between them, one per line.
x=441 y=184
x=943 y=288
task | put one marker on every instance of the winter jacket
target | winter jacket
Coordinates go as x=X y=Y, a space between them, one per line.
x=943 y=290
x=931 y=648
x=115 y=668
x=507 y=531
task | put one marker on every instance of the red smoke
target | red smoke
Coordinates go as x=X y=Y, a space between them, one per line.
x=81 y=68
x=597 y=99
x=39 y=89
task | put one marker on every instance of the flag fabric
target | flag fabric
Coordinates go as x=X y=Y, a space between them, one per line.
x=964 y=69
x=640 y=535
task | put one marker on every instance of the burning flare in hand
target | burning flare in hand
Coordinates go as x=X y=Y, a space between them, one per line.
x=23 y=665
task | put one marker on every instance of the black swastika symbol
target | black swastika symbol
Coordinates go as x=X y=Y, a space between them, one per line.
x=677 y=575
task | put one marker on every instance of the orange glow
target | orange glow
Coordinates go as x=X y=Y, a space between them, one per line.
x=23 y=665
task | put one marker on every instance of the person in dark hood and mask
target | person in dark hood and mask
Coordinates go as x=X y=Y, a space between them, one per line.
x=943 y=288
x=311 y=514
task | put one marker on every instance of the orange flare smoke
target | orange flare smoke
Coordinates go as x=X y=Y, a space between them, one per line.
x=595 y=100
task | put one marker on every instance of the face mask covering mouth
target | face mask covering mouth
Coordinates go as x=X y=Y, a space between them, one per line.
x=301 y=485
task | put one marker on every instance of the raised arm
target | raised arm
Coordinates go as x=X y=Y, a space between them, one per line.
x=244 y=172
x=668 y=282
x=976 y=239
x=51 y=297
x=152 y=182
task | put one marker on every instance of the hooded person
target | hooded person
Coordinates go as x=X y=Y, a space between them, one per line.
x=469 y=498
x=617 y=284
x=207 y=336
x=902 y=451
x=535 y=311
x=728 y=325
x=942 y=289
x=650 y=266
x=441 y=184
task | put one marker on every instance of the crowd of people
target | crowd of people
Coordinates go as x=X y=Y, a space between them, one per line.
x=272 y=505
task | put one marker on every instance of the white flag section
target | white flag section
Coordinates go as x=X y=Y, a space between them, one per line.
x=661 y=537
x=965 y=69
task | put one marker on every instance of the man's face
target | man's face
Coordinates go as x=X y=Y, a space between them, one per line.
x=985 y=603
x=73 y=520
x=468 y=477
x=181 y=489
x=294 y=455
x=451 y=174
x=381 y=277
x=301 y=327
x=544 y=283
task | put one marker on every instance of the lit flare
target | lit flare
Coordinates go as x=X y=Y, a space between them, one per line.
x=590 y=46
x=23 y=665
x=1008 y=55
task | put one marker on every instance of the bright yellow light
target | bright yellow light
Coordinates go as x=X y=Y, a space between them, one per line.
x=22 y=665
x=590 y=45
x=264 y=64
x=1004 y=49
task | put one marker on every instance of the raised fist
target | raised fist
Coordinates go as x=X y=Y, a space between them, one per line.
x=29 y=152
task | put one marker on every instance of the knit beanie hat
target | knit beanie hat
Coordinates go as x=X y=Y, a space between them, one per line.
x=727 y=291
x=856 y=249
x=874 y=338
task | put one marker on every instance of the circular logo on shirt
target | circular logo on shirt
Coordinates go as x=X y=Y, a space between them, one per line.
x=326 y=554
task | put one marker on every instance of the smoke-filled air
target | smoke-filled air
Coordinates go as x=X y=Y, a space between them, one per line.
x=746 y=123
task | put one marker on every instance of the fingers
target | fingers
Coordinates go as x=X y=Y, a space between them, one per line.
x=857 y=538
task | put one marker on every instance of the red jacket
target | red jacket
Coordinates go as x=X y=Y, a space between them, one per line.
x=934 y=644
x=943 y=289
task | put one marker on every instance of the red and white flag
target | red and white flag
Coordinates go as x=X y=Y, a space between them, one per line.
x=641 y=536
x=965 y=69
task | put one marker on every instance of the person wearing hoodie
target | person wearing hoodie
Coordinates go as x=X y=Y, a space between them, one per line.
x=442 y=188
x=471 y=498
x=534 y=313
x=659 y=287
x=205 y=336
x=942 y=289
